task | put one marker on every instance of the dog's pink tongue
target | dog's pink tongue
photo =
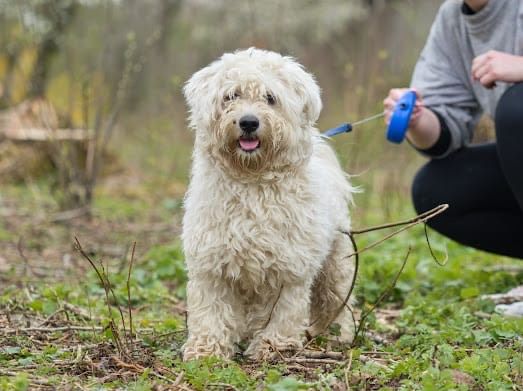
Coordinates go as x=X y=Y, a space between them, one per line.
x=249 y=145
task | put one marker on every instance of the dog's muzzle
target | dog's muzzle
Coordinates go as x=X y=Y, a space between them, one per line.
x=249 y=141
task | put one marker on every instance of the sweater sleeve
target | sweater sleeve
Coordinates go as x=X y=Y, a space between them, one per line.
x=443 y=79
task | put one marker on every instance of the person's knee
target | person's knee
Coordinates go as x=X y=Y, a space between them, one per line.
x=509 y=113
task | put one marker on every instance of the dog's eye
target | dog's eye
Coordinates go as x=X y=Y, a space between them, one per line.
x=229 y=97
x=271 y=100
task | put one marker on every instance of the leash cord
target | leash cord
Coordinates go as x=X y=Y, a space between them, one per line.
x=421 y=218
x=406 y=224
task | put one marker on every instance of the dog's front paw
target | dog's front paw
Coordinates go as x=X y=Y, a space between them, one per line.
x=196 y=348
x=265 y=348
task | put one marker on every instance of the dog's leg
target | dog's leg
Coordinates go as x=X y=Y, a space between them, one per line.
x=330 y=290
x=286 y=320
x=215 y=319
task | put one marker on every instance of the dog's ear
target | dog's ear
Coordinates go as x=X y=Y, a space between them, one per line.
x=198 y=92
x=308 y=90
x=313 y=104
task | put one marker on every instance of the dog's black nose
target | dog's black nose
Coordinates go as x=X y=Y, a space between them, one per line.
x=249 y=123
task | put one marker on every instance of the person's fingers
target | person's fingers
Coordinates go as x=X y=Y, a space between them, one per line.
x=397 y=93
x=389 y=111
x=481 y=71
x=415 y=117
x=389 y=103
x=416 y=112
x=482 y=68
x=419 y=99
x=418 y=94
x=387 y=117
x=483 y=58
x=479 y=61
x=488 y=80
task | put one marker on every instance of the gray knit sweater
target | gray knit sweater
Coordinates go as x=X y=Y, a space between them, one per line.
x=443 y=71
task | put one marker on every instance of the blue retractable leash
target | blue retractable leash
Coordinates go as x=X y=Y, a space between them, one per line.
x=398 y=125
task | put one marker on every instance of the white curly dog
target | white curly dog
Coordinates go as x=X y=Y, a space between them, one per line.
x=264 y=211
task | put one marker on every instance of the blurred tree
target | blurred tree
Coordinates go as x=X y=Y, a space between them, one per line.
x=57 y=15
x=167 y=11
x=11 y=45
x=38 y=25
x=282 y=25
x=11 y=53
x=117 y=66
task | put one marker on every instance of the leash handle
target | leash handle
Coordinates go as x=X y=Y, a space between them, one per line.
x=343 y=128
x=399 y=121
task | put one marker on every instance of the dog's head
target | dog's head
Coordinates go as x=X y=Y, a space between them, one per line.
x=254 y=110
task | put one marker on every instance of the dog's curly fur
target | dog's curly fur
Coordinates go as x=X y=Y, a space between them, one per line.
x=261 y=230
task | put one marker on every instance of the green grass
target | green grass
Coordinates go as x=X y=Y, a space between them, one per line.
x=443 y=336
x=438 y=333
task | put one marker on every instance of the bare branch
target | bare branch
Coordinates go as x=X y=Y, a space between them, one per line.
x=383 y=295
x=128 y=283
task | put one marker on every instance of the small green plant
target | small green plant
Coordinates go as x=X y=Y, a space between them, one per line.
x=211 y=372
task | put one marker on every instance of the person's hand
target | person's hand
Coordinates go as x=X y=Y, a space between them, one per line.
x=390 y=102
x=493 y=66
x=424 y=127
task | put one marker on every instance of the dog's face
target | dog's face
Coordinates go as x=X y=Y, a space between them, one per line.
x=254 y=110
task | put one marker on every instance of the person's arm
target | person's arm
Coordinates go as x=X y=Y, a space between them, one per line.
x=447 y=110
x=426 y=131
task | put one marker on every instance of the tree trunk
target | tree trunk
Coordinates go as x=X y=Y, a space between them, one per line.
x=60 y=15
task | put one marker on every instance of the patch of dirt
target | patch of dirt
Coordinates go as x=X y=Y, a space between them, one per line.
x=37 y=248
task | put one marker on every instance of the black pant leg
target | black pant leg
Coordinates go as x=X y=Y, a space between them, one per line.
x=483 y=212
x=509 y=135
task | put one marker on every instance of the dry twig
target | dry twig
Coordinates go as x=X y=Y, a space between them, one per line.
x=50 y=329
x=104 y=279
x=422 y=218
x=323 y=354
x=306 y=360
x=128 y=284
x=382 y=296
x=223 y=386
x=347 y=371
